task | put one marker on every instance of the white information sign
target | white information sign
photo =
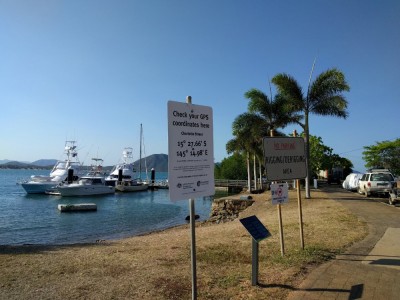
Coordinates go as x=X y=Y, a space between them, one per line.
x=190 y=151
x=280 y=193
x=284 y=158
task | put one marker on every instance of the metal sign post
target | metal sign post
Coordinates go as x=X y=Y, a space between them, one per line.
x=190 y=160
x=258 y=232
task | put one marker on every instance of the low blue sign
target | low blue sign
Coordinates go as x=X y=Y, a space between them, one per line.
x=256 y=229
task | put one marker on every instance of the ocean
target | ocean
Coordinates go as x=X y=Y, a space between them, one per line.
x=35 y=219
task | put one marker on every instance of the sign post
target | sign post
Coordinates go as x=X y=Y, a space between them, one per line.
x=284 y=159
x=258 y=232
x=299 y=206
x=190 y=160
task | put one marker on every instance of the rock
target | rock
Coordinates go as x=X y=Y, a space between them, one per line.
x=228 y=209
x=195 y=217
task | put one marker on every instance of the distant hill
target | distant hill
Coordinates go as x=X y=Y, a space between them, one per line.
x=157 y=161
x=4 y=161
x=44 y=162
x=20 y=165
x=17 y=163
x=39 y=164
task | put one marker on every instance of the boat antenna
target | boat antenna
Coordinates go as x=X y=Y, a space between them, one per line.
x=140 y=153
x=145 y=157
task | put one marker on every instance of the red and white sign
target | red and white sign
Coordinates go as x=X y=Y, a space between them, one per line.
x=284 y=158
x=280 y=193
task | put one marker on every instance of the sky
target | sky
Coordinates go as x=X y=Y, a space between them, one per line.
x=93 y=71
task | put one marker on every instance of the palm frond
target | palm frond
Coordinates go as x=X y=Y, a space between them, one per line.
x=325 y=95
x=290 y=90
x=258 y=101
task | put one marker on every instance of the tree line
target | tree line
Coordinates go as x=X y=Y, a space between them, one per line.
x=268 y=115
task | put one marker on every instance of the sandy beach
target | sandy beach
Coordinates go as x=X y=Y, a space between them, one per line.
x=157 y=265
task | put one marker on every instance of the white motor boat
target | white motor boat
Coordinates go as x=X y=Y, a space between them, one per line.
x=38 y=184
x=123 y=175
x=131 y=186
x=126 y=166
x=90 y=184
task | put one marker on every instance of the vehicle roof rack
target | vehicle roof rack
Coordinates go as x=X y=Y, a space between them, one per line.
x=378 y=170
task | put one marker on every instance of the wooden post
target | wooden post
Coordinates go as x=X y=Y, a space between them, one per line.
x=281 y=230
x=300 y=208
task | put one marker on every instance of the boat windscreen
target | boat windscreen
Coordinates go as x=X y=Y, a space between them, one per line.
x=61 y=165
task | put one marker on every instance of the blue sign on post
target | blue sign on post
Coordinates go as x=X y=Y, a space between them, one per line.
x=256 y=229
x=258 y=232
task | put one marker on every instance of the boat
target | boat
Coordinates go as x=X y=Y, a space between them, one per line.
x=123 y=175
x=39 y=184
x=126 y=166
x=91 y=184
x=131 y=186
x=161 y=184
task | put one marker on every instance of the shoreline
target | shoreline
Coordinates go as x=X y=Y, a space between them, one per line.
x=156 y=265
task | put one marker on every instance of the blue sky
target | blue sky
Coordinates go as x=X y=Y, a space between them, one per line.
x=94 y=71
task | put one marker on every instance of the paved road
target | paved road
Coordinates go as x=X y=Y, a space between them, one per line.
x=370 y=269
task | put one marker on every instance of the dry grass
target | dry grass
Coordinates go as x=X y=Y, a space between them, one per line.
x=157 y=266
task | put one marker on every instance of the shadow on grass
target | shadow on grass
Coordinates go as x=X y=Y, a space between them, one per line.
x=355 y=292
x=35 y=249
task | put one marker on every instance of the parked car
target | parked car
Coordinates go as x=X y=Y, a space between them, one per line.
x=377 y=181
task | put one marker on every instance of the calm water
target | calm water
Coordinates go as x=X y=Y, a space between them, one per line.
x=35 y=219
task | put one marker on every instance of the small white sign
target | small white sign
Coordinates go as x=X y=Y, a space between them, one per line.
x=190 y=151
x=280 y=193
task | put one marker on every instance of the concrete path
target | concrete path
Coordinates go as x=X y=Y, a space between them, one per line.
x=370 y=269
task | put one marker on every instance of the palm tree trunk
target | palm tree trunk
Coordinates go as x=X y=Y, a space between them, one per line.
x=308 y=164
x=260 y=172
x=248 y=172
x=255 y=172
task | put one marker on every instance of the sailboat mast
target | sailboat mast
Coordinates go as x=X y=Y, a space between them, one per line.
x=140 y=153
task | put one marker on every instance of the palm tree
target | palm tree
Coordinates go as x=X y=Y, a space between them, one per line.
x=264 y=116
x=270 y=114
x=324 y=97
x=238 y=144
x=244 y=127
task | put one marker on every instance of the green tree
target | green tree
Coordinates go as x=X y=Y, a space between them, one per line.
x=244 y=127
x=319 y=155
x=217 y=171
x=324 y=97
x=344 y=163
x=264 y=115
x=269 y=114
x=384 y=154
x=323 y=158
x=233 y=167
